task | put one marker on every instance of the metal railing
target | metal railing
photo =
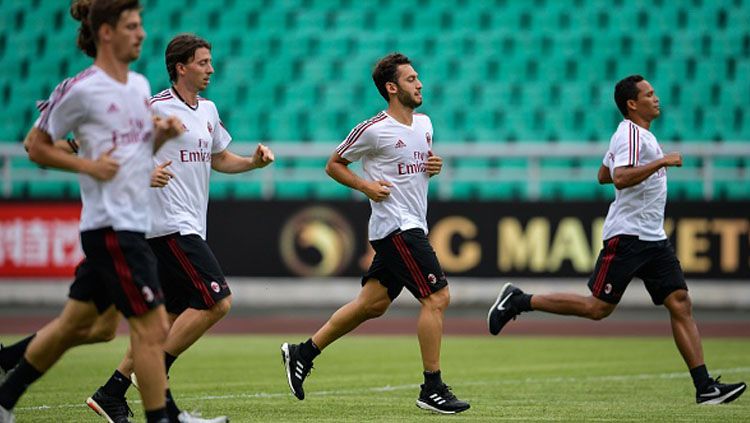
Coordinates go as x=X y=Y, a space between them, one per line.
x=533 y=174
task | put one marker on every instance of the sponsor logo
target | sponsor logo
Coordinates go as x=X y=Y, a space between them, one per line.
x=317 y=241
x=400 y=144
x=215 y=287
x=148 y=294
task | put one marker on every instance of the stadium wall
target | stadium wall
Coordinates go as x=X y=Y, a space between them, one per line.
x=294 y=253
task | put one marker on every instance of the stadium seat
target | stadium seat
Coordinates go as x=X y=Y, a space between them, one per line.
x=493 y=71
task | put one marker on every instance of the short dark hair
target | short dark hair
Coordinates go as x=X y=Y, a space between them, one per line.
x=93 y=14
x=626 y=89
x=387 y=71
x=180 y=50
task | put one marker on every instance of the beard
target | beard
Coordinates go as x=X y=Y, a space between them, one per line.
x=407 y=100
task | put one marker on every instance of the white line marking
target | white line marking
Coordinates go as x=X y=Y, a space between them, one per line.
x=389 y=388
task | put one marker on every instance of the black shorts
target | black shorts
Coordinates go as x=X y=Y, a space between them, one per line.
x=624 y=257
x=189 y=272
x=119 y=269
x=406 y=259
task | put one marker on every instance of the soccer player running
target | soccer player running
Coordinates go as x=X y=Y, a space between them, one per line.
x=396 y=151
x=195 y=290
x=106 y=107
x=635 y=244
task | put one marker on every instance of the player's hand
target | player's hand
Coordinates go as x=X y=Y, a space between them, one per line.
x=673 y=159
x=160 y=176
x=434 y=164
x=262 y=157
x=105 y=167
x=168 y=128
x=377 y=191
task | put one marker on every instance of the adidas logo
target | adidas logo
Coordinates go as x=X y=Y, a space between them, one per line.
x=400 y=144
x=299 y=369
x=437 y=399
x=113 y=108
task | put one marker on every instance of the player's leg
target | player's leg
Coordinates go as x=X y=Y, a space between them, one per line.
x=192 y=323
x=430 y=328
x=103 y=330
x=147 y=333
x=69 y=329
x=586 y=306
x=197 y=296
x=617 y=263
x=418 y=269
x=126 y=264
x=373 y=300
x=665 y=282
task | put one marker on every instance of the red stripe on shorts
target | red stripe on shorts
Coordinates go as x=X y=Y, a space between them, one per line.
x=609 y=255
x=188 y=267
x=411 y=264
x=124 y=275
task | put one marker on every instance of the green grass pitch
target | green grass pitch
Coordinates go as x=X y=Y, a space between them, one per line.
x=376 y=378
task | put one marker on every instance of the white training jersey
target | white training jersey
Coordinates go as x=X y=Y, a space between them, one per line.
x=181 y=205
x=637 y=210
x=396 y=153
x=104 y=113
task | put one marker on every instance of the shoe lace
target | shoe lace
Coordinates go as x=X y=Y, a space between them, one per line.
x=121 y=407
x=446 y=393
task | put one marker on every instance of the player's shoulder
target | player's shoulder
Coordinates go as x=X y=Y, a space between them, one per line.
x=371 y=124
x=626 y=129
x=208 y=104
x=161 y=98
x=80 y=81
x=422 y=118
x=205 y=101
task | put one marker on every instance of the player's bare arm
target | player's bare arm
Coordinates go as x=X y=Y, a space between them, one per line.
x=604 y=176
x=434 y=165
x=228 y=162
x=627 y=176
x=338 y=169
x=161 y=176
x=165 y=129
x=42 y=151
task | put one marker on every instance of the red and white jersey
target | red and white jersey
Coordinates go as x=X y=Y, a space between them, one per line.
x=637 y=210
x=396 y=153
x=103 y=113
x=181 y=205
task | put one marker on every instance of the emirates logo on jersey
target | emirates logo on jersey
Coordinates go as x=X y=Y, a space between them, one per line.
x=400 y=144
x=210 y=127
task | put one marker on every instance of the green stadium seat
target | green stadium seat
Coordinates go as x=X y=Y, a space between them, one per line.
x=494 y=71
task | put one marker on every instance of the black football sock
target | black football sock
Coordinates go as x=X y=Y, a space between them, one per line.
x=117 y=385
x=700 y=377
x=172 y=410
x=308 y=350
x=432 y=379
x=23 y=375
x=157 y=416
x=523 y=302
x=12 y=354
x=168 y=360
